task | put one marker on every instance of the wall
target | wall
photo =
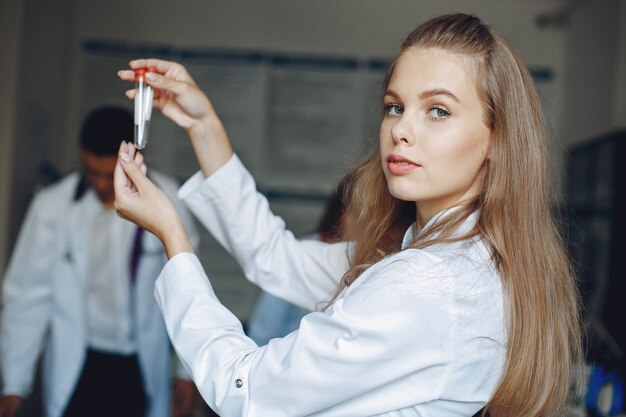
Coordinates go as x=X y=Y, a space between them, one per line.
x=620 y=74
x=10 y=44
x=39 y=106
x=594 y=87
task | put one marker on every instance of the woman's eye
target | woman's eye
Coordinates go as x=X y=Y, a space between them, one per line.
x=393 y=109
x=438 y=113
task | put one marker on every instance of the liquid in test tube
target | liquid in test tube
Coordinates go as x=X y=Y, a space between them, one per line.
x=143 y=106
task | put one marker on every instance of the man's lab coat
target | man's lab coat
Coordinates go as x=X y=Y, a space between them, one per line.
x=45 y=293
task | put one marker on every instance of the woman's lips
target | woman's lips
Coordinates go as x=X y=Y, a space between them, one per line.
x=399 y=165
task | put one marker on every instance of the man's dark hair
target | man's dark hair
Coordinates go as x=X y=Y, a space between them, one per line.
x=105 y=128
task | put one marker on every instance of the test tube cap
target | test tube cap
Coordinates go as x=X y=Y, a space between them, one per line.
x=139 y=73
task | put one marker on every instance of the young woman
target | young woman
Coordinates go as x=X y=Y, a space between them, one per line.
x=455 y=292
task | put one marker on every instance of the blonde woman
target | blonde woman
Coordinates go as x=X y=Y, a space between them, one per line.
x=455 y=292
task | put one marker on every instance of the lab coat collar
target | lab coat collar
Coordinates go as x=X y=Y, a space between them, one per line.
x=81 y=188
x=411 y=232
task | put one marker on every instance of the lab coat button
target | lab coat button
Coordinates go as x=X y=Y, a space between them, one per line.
x=238 y=383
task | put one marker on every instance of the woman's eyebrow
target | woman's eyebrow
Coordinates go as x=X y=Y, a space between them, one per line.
x=426 y=94
x=392 y=93
x=437 y=92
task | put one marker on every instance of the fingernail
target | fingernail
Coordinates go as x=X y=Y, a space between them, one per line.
x=125 y=157
x=151 y=76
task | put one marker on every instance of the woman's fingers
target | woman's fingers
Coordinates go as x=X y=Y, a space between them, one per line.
x=121 y=182
x=131 y=93
x=133 y=190
x=168 y=68
x=174 y=89
x=126 y=75
x=164 y=83
x=160 y=64
x=138 y=156
x=131 y=164
x=171 y=70
x=139 y=162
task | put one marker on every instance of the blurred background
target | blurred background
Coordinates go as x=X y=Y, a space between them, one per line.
x=296 y=84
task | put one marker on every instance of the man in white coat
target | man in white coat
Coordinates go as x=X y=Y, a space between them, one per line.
x=79 y=290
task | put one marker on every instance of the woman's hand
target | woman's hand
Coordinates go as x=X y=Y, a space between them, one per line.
x=137 y=199
x=180 y=99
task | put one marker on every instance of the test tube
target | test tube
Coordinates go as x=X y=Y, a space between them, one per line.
x=143 y=107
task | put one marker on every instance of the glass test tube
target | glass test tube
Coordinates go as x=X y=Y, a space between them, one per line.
x=143 y=107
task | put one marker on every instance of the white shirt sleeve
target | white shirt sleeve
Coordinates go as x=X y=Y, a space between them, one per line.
x=387 y=344
x=27 y=298
x=227 y=203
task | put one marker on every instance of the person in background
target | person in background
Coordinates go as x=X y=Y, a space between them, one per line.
x=79 y=289
x=273 y=317
x=453 y=293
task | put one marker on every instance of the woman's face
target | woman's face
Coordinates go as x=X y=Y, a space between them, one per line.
x=433 y=139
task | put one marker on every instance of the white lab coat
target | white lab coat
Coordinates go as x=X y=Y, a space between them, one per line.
x=45 y=294
x=421 y=333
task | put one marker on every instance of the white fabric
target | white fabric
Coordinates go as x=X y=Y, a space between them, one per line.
x=109 y=309
x=421 y=333
x=45 y=297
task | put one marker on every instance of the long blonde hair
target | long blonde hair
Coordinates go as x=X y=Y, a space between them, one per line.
x=514 y=217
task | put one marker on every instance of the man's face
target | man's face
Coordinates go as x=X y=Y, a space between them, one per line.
x=99 y=171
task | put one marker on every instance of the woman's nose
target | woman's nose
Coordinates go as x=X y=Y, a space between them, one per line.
x=402 y=132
